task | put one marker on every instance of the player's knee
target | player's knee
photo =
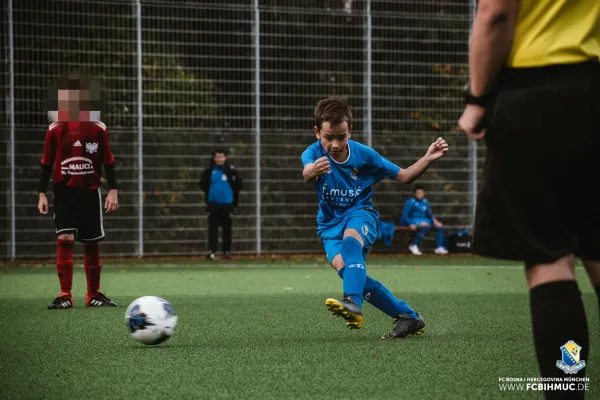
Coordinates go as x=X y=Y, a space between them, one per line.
x=67 y=236
x=562 y=269
x=338 y=262
x=354 y=234
x=424 y=225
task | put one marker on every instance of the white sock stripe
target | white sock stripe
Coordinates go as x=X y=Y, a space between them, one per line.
x=101 y=216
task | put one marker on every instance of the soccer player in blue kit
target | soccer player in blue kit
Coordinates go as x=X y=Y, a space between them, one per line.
x=343 y=172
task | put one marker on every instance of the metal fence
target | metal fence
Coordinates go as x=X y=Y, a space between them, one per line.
x=184 y=76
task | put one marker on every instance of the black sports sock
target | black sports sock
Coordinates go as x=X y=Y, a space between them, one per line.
x=558 y=316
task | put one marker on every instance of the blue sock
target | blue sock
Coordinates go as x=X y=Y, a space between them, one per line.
x=381 y=298
x=355 y=273
x=420 y=235
x=439 y=238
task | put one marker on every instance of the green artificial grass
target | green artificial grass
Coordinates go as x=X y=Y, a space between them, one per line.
x=264 y=333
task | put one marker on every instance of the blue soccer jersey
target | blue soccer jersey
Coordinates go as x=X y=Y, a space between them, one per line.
x=415 y=211
x=347 y=186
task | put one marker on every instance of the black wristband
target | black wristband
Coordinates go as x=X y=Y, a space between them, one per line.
x=109 y=170
x=45 y=172
x=476 y=100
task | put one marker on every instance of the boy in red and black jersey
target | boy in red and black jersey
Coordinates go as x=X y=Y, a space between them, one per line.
x=77 y=149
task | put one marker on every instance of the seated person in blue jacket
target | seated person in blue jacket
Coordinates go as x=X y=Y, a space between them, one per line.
x=417 y=215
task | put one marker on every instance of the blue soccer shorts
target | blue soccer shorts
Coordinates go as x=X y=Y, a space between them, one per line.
x=417 y=221
x=363 y=220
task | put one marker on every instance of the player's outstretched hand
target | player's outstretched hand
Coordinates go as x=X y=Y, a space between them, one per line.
x=321 y=166
x=43 y=203
x=112 y=201
x=437 y=149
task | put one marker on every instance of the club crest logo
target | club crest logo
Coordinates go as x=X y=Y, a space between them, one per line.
x=354 y=174
x=365 y=230
x=91 y=147
x=571 y=362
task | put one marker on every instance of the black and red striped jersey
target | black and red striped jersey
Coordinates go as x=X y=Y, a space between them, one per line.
x=77 y=151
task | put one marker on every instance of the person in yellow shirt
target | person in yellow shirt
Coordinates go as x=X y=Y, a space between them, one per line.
x=534 y=95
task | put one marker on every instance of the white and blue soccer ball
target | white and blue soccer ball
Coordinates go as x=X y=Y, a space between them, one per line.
x=151 y=320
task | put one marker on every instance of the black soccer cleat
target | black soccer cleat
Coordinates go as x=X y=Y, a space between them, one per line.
x=405 y=326
x=348 y=310
x=99 y=300
x=61 y=302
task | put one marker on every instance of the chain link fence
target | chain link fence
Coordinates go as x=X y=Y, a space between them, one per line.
x=182 y=77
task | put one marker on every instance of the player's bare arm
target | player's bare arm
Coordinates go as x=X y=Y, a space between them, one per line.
x=318 y=168
x=435 y=151
x=492 y=35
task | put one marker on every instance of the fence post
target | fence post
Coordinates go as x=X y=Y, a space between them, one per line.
x=11 y=116
x=368 y=78
x=472 y=155
x=257 y=121
x=138 y=10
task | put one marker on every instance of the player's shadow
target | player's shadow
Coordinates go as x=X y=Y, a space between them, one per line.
x=165 y=346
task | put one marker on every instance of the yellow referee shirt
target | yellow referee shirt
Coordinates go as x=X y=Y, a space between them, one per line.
x=551 y=32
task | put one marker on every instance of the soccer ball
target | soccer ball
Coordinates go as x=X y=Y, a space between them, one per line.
x=151 y=320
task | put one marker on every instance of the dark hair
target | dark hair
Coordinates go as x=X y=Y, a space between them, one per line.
x=334 y=110
x=76 y=80
x=219 y=151
x=418 y=187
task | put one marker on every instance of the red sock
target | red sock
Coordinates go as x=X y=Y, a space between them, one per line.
x=64 y=265
x=91 y=262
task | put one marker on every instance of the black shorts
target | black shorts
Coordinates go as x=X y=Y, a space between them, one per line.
x=539 y=197
x=78 y=211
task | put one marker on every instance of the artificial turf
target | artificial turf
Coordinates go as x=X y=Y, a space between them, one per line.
x=264 y=333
